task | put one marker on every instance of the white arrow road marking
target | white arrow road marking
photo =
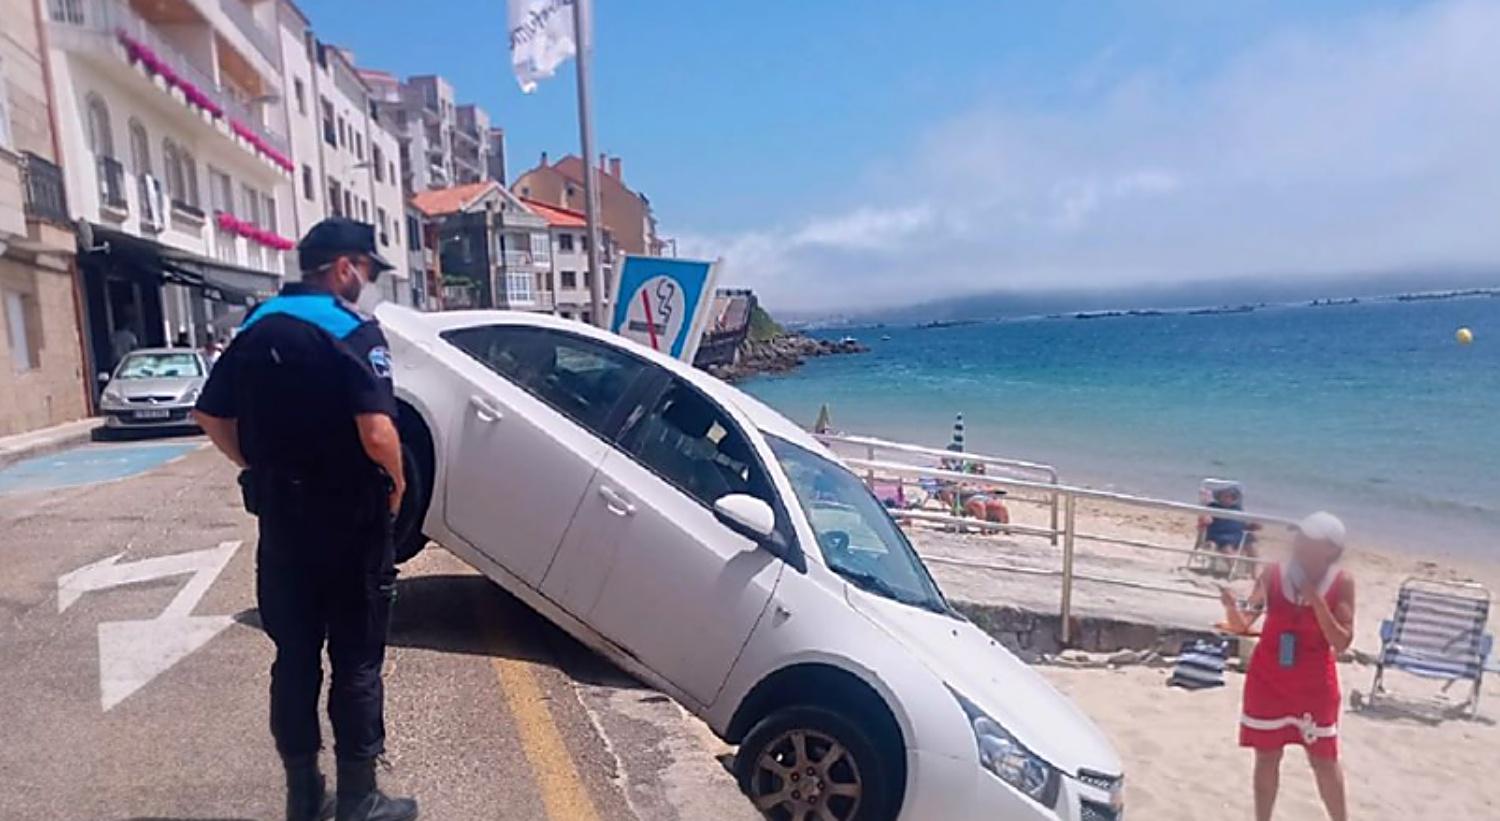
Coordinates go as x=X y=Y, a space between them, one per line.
x=105 y=573
x=132 y=653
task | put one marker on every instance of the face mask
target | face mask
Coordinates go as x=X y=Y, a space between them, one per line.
x=370 y=297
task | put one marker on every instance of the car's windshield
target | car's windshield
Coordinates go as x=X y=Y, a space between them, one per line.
x=858 y=539
x=160 y=366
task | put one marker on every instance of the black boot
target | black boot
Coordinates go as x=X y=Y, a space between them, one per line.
x=359 y=800
x=307 y=799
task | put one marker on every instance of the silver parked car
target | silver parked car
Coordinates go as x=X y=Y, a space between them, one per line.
x=153 y=388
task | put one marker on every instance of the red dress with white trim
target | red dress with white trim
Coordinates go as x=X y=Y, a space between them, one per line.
x=1292 y=686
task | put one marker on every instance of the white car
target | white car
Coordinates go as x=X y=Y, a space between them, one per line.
x=712 y=548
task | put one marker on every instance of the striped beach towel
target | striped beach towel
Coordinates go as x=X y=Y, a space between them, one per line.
x=1200 y=665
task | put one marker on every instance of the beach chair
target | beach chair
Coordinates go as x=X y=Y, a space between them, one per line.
x=1437 y=632
x=1214 y=558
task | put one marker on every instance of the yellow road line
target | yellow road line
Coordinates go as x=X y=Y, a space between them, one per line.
x=563 y=793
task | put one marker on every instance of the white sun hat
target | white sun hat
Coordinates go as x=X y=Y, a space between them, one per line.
x=1324 y=527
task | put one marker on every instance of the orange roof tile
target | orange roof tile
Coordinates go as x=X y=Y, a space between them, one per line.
x=451 y=200
x=557 y=216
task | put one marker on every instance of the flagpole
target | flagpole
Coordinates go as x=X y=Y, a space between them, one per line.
x=583 y=35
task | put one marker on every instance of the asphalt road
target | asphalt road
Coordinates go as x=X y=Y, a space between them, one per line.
x=134 y=673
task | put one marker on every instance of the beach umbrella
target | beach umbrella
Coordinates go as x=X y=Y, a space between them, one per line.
x=825 y=420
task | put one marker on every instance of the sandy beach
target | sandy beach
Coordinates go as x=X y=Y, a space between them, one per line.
x=1405 y=759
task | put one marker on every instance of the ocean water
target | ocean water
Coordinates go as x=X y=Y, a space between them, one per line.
x=1373 y=410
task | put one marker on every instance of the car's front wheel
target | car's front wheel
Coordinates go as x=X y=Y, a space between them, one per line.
x=407 y=529
x=815 y=763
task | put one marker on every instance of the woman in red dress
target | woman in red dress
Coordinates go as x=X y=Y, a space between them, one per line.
x=1292 y=686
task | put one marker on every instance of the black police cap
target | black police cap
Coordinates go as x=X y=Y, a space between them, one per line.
x=335 y=236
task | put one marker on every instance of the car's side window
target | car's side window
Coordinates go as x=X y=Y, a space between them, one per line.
x=579 y=377
x=690 y=442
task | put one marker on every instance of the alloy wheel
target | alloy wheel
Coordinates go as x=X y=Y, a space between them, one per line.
x=806 y=775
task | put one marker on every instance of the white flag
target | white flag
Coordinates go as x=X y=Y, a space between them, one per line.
x=541 y=38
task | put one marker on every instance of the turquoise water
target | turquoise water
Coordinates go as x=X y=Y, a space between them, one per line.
x=1372 y=410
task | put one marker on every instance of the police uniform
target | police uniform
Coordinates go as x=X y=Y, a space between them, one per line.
x=303 y=366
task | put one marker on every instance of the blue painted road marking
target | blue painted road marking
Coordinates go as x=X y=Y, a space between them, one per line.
x=87 y=465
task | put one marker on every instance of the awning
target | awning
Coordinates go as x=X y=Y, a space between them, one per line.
x=219 y=281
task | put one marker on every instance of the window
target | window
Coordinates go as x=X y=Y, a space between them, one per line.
x=140 y=148
x=565 y=242
x=343 y=132
x=330 y=136
x=23 y=330
x=101 y=139
x=518 y=286
x=221 y=189
x=579 y=378
x=334 y=199
x=391 y=167
x=570 y=279
x=307 y=181
x=413 y=235
x=385 y=238
x=689 y=441
x=359 y=144
x=583 y=243
x=378 y=160
x=301 y=94
x=539 y=249
x=269 y=205
x=250 y=198
x=364 y=210
x=189 y=178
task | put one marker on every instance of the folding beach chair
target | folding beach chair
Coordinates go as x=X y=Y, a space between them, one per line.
x=1218 y=559
x=1438 y=632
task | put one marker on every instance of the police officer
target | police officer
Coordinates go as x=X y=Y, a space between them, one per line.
x=302 y=401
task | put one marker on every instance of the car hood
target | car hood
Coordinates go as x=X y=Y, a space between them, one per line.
x=140 y=388
x=1011 y=692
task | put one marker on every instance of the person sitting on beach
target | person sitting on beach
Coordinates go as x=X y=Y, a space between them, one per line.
x=1292 y=685
x=1223 y=534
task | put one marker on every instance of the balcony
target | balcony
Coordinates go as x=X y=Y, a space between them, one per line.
x=46 y=199
x=263 y=40
x=82 y=24
x=525 y=260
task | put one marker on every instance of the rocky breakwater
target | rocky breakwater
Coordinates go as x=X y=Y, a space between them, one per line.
x=780 y=354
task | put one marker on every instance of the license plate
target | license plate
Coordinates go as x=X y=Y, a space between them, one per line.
x=153 y=414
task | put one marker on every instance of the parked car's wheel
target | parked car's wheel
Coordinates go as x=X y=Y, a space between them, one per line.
x=416 y=455
x=812 y=762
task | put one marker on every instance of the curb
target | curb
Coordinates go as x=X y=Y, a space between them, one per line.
x=47 y=440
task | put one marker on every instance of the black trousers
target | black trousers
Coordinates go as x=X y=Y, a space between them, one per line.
x=325 y=573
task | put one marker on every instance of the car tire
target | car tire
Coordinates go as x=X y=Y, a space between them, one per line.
x=406 y=532
x=775 y=772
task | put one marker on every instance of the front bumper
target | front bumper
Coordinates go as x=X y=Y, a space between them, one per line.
x=140 y=417
x=951 y=788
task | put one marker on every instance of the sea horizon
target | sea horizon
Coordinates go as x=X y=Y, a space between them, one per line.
x=1371 y=410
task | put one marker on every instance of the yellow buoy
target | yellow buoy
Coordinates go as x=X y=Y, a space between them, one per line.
x=1464 y=336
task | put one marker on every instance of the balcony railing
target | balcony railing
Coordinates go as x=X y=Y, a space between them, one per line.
x=152 y=203
x=113 y=18
x=46 y=197
x=112 y=183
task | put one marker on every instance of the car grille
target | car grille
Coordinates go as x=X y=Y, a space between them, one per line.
x=151 y=400
x=1094 y=811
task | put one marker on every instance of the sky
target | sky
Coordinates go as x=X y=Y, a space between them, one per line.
x=842 y=155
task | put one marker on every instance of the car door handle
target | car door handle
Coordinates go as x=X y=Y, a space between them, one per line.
x=484 y=410
x=617 y=504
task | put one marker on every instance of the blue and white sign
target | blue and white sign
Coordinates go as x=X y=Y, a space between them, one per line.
x=664 y=302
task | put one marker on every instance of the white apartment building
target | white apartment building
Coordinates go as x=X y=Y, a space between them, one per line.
x=569 y=284
x=176 y=163
x=494 y=250
x=346 y=155
x=443 y=144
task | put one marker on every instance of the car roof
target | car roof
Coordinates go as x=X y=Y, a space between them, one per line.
x=157 y=351
x=408 y=321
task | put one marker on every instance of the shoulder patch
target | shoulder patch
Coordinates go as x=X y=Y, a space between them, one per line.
x=380 y=361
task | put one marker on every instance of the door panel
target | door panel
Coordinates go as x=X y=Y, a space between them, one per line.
x=516 y=473
x=681 y=591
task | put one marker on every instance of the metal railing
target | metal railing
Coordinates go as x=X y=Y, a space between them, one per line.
x=1066 y=530
x=45 y=193
x=872 y=446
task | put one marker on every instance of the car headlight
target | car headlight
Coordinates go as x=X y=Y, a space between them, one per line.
x=112 y=394
x=1004 y=755
x=191 y=395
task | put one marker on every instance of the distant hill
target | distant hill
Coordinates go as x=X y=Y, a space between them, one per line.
x=1249 y=290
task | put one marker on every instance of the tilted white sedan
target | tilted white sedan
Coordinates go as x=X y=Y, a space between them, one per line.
x=709 y=546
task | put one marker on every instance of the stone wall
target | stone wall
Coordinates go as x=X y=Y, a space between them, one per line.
x=52 y=391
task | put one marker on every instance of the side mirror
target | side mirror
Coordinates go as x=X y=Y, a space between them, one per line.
x=746 y=515
x=103 y=377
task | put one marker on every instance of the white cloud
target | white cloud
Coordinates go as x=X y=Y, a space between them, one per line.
x=1367 y=145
